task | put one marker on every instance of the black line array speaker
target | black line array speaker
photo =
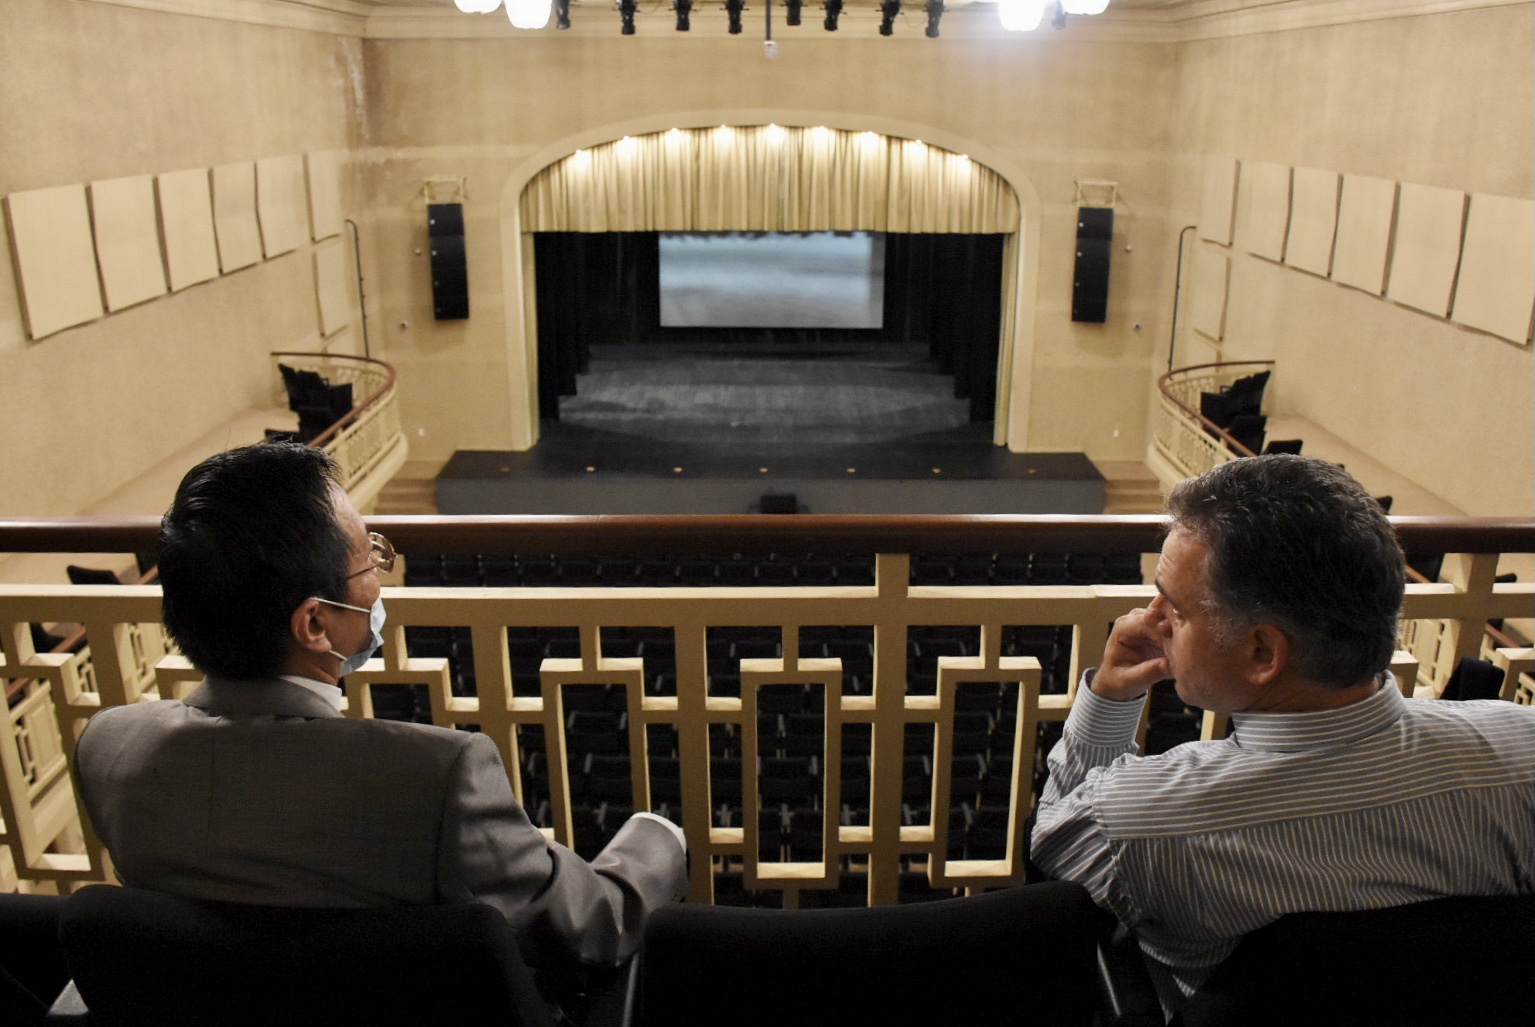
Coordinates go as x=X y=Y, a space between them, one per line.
x=450 y=272
x=1090 y=281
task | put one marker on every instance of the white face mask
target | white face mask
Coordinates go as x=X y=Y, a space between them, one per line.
x=352 y=664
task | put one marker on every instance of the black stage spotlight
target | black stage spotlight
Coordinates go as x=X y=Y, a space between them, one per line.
x=626 y=9
x=888 y=9
x=833 y=12
x=1059 y=21
x=793 y=8
x=683 y=8
x=733 y=8
x=562 y=14
x=934 y=13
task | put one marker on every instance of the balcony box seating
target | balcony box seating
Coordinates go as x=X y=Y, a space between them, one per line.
x=1020 y=953
x=140 y=957
x=1444 y=961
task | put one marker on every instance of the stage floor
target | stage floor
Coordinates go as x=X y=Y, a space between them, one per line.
x=581 y=470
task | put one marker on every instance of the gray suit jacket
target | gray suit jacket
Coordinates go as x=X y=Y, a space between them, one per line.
x=261 y=792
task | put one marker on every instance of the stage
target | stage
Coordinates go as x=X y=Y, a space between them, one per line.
x=582 y=470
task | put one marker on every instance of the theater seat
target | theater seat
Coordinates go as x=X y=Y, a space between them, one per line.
x=1446 y=961
x=141 y=957
x=1023 y=955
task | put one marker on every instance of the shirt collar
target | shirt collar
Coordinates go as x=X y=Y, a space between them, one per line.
x=1320 y=729
x=330 y=693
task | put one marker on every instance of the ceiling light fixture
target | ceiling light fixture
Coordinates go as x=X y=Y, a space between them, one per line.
x=683 y=9
x=626 y=9
x=528 y=14
x=934 y=13
x=1020 y=15
x=833 y=12
x=888 y=9
x=733 y=9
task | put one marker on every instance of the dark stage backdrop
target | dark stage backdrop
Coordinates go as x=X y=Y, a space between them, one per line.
x=941 y=290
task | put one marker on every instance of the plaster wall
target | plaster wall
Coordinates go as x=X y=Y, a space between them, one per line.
x=93 y=91
x=1444 y=100
x=1033 y=108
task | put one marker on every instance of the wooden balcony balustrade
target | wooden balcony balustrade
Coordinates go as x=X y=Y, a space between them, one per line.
x=54 y=693
x=367 y=443
x=1184 y=443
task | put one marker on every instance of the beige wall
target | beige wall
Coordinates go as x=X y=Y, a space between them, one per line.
x=1442 y=100
x=1031 y=107
x=92 y=91
x=95 y=90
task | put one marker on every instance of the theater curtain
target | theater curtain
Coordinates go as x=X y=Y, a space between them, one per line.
x=771 y=179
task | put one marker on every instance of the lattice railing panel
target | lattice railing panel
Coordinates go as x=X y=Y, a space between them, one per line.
x=45 y=843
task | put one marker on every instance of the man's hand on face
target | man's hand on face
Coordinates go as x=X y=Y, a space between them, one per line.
x=1133 y=660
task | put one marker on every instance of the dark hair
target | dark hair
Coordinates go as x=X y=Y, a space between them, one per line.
x=1297 y=543
x=251 y=534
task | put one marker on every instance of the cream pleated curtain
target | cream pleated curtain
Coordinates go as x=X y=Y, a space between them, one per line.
x=767 y=178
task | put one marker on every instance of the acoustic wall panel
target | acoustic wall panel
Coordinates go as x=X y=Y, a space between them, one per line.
x=1217 y=202
x=1496 y=290
x=234 y=216
x=1365 y=210
x=51 y=242
x=127 y=240
x=282 y=204
x=330 y=286
x=323 y=169
x=1313 y=220
x=1265 y=208
x=1210 y=277
x=1429 y=221
x=186 y=227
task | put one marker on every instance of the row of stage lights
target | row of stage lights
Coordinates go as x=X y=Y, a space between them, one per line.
x=1015 y=15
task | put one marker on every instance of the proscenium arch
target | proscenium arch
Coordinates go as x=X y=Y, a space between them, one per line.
x=1015 y=355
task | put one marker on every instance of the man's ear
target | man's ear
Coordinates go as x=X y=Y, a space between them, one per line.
x=307 y=626
x=1269 y=653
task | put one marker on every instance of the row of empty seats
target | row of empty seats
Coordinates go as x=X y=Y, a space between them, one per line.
x=538 y=570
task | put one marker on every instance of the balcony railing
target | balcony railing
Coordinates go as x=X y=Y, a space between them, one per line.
x=1184 y=443
x=42 y=836
x=367 y=443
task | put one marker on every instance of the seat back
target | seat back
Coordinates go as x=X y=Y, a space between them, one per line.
x=1024 y=953
x=140 y=957
x=1445 y=961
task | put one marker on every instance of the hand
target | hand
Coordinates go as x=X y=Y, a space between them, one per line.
x=1133 y=660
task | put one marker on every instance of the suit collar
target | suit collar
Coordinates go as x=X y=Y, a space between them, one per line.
x=269 y=696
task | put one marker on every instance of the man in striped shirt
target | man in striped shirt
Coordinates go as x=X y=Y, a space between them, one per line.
x=1278 y=587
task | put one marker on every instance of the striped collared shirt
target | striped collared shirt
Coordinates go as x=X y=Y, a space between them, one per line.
x=1380 y=803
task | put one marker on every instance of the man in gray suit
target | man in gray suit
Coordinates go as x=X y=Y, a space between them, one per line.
x=256 y=789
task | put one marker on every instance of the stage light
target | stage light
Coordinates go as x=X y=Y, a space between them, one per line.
x=1020 y=15
x=1084 y=6
x=792 y=6
x=888 y=9
x=528 y=14
x=1059 y=21
x=626 y=9
x=562 y=14
x=683 y=9
x=934 y=13
x=833 y=12
x=733 y=10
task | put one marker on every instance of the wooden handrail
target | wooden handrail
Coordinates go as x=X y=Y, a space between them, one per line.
x=1204 y=422
x=634 y=535
x=358 y=409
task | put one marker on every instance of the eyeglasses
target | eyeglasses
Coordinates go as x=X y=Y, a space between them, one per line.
x=381 y=554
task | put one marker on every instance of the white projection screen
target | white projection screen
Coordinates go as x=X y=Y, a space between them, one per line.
x=772 y=279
